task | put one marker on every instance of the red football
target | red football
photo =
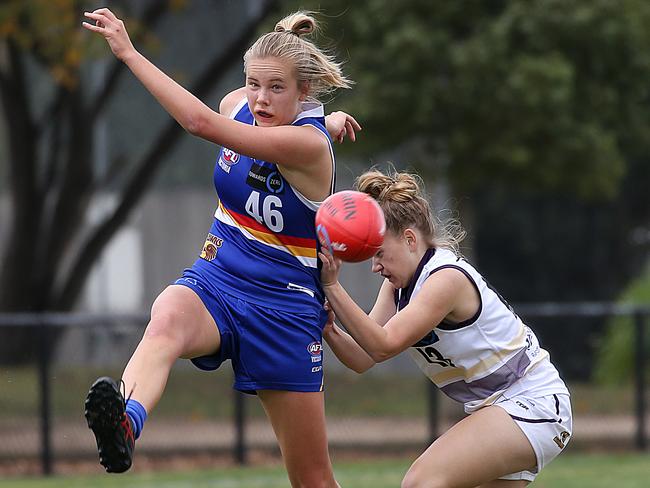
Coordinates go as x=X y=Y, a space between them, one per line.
x=352 y=224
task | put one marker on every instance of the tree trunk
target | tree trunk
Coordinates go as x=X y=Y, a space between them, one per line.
x=40 y=236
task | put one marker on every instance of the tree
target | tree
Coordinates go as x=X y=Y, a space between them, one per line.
x=541 y=98
x=49 y=250
x=536 y=114
x=543 y=94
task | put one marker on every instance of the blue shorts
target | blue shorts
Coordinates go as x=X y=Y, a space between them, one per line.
x=270 y=349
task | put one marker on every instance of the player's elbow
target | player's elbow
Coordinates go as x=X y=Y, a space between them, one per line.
x=194 y=124
x=380 y=356
x=198 y=121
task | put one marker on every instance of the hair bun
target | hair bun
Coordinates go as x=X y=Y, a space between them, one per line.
x=374 y=183
x=395 y=187
x=299 y=24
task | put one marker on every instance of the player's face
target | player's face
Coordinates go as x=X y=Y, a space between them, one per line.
x=394 y=260
x=273 y=91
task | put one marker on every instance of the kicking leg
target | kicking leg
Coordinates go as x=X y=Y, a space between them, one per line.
x=180 y=326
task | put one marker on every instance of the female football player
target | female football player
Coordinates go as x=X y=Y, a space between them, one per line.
x=464 y=337
x=253 y=296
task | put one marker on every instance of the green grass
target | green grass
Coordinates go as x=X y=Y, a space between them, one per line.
x=597 y=471
x=199 y=395
x=568 y=471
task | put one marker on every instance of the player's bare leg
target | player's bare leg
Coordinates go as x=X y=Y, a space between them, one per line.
x=180 y=326
x=298 y=419
x=477 y=450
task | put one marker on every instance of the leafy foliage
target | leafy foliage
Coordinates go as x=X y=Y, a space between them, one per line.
x=546 y=95
x=616 y=364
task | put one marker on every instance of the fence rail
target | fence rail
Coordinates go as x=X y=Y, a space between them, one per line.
x=46 y=322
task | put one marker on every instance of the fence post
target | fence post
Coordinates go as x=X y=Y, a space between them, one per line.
x=240 y=420
x=432 y=396
x=640 y=364
x=45 y=404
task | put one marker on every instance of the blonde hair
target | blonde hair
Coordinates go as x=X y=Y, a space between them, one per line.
x=313 y=66
x=401 y=197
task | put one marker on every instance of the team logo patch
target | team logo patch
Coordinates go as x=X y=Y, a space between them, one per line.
x=562 y=439
x=228 y=158
x=211 y=246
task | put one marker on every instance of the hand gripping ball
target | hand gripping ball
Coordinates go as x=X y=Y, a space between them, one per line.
x=352 y=225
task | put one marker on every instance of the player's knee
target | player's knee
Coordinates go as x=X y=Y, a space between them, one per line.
x=164 y=329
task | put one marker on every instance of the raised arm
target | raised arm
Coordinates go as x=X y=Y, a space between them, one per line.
x=290 y=146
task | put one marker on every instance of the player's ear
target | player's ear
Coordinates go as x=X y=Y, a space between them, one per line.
x=411 y=239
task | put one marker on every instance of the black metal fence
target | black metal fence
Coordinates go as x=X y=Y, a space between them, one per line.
x=46 y=324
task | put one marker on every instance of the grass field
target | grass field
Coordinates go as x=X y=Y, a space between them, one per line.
x=200 y=395
x=569 y=471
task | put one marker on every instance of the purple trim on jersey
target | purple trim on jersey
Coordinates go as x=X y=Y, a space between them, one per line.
x=502 y=378
x=403 y=295
x=445 y=325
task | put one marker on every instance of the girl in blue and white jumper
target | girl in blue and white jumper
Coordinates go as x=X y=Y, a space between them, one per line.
x=463 y=335
x=253 y=296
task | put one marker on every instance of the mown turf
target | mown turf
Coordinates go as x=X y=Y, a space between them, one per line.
x=569 y=471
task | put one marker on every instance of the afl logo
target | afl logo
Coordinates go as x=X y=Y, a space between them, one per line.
x=315 y=348
x=229 y=157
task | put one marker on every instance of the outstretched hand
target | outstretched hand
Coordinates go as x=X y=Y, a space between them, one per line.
x=329 y=274
x=340 y=124
x=113 y=30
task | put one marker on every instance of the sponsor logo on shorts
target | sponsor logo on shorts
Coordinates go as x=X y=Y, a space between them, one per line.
x=210 y=247
x=315 y=359
x=315 y=348
x=316 y=369
x=228 y=158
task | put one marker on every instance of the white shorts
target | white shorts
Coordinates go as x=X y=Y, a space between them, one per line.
x=547 y=423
